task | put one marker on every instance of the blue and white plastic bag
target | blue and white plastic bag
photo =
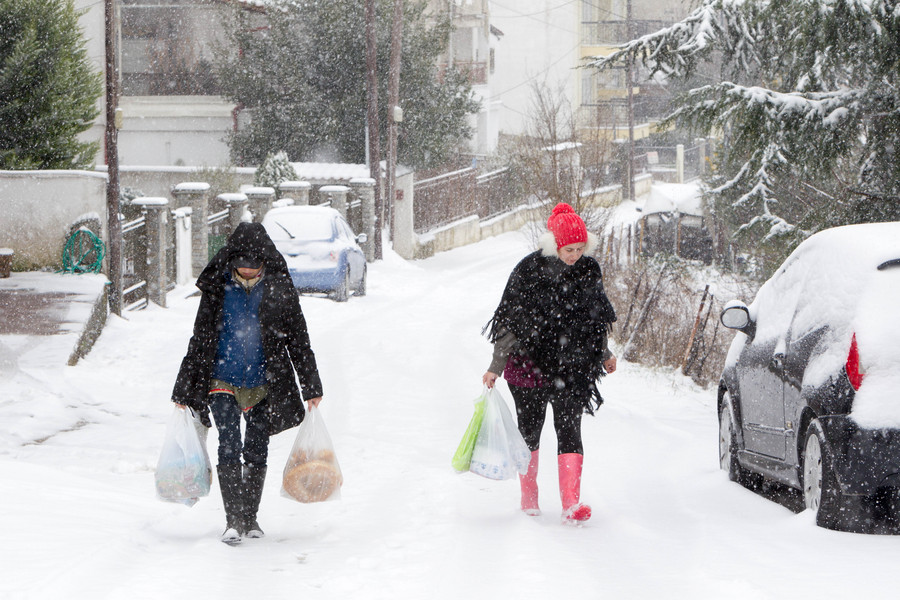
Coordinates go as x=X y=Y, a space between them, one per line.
x=500 y=451
x=183 y=473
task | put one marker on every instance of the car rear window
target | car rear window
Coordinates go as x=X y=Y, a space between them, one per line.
x=305 y=228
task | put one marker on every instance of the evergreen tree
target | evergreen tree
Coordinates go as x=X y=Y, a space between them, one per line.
x=48 y=88
x=807 y=103
x=275 y=169
x=301 y=77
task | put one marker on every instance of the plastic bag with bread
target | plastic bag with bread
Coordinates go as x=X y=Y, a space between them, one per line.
x=312 y=473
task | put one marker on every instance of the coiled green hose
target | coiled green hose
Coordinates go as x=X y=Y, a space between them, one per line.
x=83 y=252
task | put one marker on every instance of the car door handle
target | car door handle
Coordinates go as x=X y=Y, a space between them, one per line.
x=777 y=360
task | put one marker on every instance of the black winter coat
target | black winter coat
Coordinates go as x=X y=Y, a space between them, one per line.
x=560 y=316
x=285 y=337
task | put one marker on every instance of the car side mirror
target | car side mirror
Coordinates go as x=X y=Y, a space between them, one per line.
x=362 y=238
x=737 y=316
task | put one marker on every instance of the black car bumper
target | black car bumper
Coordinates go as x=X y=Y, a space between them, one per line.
x=864 y=459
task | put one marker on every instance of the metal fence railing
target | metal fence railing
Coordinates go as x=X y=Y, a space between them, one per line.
x=459 y=194
x=662 y=159
x=134 y=264
x=444 y=198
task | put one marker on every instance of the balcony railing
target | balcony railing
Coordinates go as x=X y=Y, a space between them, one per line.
x=475 y=71
x=608 y=33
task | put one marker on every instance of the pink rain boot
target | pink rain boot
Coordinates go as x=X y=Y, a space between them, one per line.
x=570 y=488
x=528 y=482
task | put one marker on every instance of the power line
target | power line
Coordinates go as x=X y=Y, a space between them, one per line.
x=531 y=15
x=538 y=12
x=538 y=74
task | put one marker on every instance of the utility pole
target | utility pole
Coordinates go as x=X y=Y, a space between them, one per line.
x=629 y=83
x=114 y=227
x=394 y=111
x=372 y=128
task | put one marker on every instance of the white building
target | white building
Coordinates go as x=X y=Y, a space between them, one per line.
x=544 y=42
x=171 y=111
x=472 y=49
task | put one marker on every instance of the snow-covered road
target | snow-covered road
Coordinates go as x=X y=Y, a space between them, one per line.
x=400 y=367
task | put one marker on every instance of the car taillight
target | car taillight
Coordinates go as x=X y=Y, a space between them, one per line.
x=854 y=373
x=333 y=256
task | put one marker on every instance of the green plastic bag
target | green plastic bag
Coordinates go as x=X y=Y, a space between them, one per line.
x=463 y=455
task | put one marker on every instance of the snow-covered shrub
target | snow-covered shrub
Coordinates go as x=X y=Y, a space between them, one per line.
x=658 y=304
x=275 y=169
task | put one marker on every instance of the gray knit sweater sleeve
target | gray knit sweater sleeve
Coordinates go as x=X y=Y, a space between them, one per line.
x=505 y=344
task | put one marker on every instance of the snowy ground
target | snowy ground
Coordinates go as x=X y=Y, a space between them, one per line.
x=400 y=368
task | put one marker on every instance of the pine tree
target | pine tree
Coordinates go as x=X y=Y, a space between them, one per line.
x=275 y=169
x=301 y=78
x=48 y=88
x=807 y=103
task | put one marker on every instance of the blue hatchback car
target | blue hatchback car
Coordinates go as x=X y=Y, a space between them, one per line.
x=322 y=252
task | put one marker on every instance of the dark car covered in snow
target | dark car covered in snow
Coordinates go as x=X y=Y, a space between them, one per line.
x=810 y=393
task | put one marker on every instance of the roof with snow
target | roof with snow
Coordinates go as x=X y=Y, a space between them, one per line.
x=684 y=199
x=318 y=173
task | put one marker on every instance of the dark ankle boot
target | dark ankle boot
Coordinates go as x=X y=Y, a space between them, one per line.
x=254 y=478
x=231 y=485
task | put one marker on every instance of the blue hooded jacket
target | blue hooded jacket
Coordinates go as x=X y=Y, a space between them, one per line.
x=240 y=359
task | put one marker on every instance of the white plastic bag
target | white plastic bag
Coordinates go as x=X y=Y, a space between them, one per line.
x=500 y=451
x=312 y=473
x=183 y=473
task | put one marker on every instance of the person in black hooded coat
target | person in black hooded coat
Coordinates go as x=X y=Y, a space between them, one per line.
x=550 y=343
x=249 y=340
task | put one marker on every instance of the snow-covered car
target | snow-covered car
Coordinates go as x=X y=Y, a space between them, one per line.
x=322 y=252
x=810 y=393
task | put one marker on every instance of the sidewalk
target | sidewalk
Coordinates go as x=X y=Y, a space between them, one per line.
x=49 y=318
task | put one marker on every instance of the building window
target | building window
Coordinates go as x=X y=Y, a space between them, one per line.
x=166 y=47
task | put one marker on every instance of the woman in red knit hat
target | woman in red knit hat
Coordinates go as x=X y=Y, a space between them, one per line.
x=550 y=343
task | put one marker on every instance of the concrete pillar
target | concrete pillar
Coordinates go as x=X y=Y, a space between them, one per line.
x=405 y=240
x=364 y=188
x=237 y=208
x=183 y=265
x=337 y=194
x=196 y=196
x=701 y=149
x=260 y=199
x=156 y=212
x=679 y=163
x=298 y=190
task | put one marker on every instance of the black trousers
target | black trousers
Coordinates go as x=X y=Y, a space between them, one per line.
x=531 y=410
x=227 y=417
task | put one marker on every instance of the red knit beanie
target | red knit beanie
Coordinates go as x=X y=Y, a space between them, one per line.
x=567 y=227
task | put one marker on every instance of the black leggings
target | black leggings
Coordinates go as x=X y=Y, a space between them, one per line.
x=531 y=409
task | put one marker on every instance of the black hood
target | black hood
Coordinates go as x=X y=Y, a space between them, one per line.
x=248 y=239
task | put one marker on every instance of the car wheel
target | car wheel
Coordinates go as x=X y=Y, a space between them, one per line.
x=727 y=451
x=342 y=293
x=728 y=460
x=361 y=289
x=820 y=488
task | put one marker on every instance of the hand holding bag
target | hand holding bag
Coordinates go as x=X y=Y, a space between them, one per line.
x=183 y=473
x=500 y=451
x=312 y=473
x=463 y=456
